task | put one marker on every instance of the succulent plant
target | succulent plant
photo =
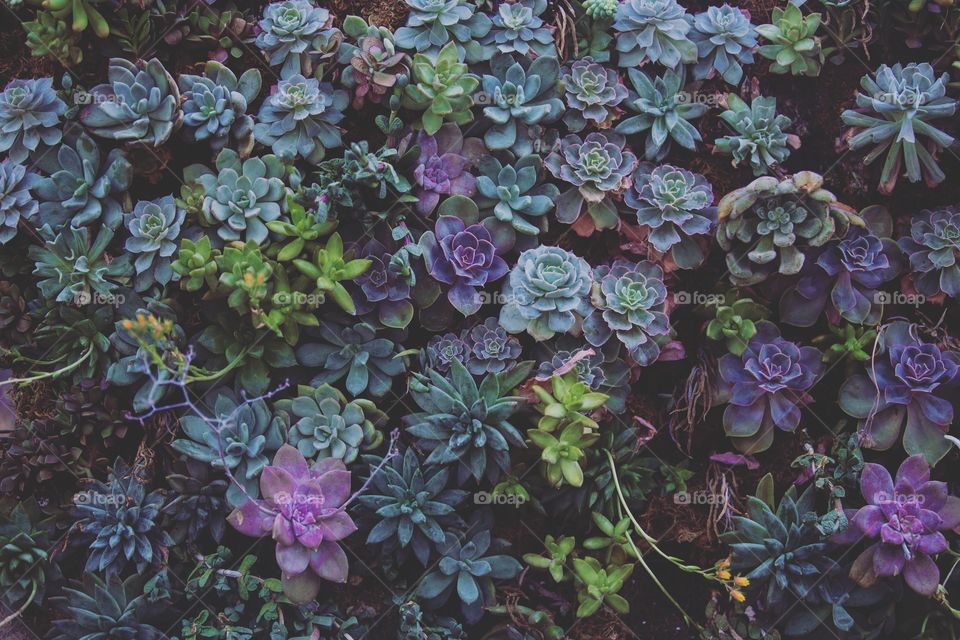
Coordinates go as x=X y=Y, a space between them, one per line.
x=25 y=567
x=93 y=413
x=595 y=166
x=302 y=508
x=768 y=384
x=132 y=365
x=154 y=227
x=375 y=63
x=725 y=41
x=933 y=248
x=411 y=505
x=330 y=268
x=676 y=205
x=735 y=324
x=35 y=454
x=901 y=393
x=514 y=197
x=489 y=348
x=466 y=425
x=251 y=354
x=664 y=108
x=443 y=166
x=599 y=586
x=519 y=94
x=592 y=93
x=465 y=568
x=760 y=138
x=545 y=292
x=299 y=118
x=50 y=36
x=518 y=28
x=16 y=201
x=442 y=350
x=196 y=264
x=242 y=196
x=30 y=113
x=653 y=31
x=102 y=609
x=894 y=115
x=72 y=267
x=442 y=88
x=197 y=503
x=292 y=32
x=140 y=103
x=215 y=107
x=602 y=370
x=434 y=24
x=794 y=44
x=386 y=285
x=767 y=225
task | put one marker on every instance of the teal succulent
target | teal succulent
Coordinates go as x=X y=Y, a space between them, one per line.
x=761 y=139
x=592 y=93
x=725 y=41
x=515 y=195
x=105 y=609
x=16 y=202
x=215 y=107
x=154 y=227
x=794 y=44
x=30 y=113
x=74 y=268
x=520 y=94
x=139 y=103
x=518 y=28
x=293 y=33
x=25 y=563
x=653 y=31
x=432 y=24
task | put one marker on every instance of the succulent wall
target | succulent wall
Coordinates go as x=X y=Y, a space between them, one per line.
x=495 y=319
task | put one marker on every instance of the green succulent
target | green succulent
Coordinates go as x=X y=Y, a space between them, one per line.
x=50 y=36
x=795 y=46
x=443 y=90
x=568 y=402
x=80 y=13
x=25 y=567
x=196 y=264
x=72 y=268
x=848 y=339
x=555 y=559
x=105 y=610
x=600 y=9
x=562 y=453
x=598 y=586
x=614 y=539
x=734 y=323
x=760 y=138
x=329 y=268
x=245 y=274
x=301 y=233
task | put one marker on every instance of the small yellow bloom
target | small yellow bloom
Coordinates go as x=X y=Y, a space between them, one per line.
x=723 y=564
x=737 y=595
x=741 y=581
x=128 y=324
x=723 y=574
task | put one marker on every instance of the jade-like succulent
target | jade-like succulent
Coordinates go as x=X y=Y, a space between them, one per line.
x=329 y=268
x=50 y=36
x=598 y=586
x=653 y=31
x=735 y=324
x=432 y=25
x=761 y=139
x=196 y=264
x=441 y=88
x=215 y=107
x=794 y=44
x=80 y=14
x=299 y=118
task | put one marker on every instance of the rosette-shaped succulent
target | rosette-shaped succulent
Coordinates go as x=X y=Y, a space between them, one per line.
x=30 y=112
x=198 y=504
x=15 y=199
x=760 y=138
x=72 y=267
x=654 y=31
x=464 y=425
x=596 y=166
x=592 y=93
x=242 y=196
x=464 y=257
x=933 y=249
x=246 y=437
x=299 y=118
x=353 y=353
x=895 y=114
x=139 y=103
x=215 y=107
x=321 y=423
x=104 y=609
x=907 y=518
x=546 y=292
x=766 y=226
x=118 y=521
x=442 y=350
x=795 y=46
x=443 y=166
x=465 y=568
x=489 y=348
x=154 y=227
x=902 y=393
x=25 y=565
x=411 y=506
x=441 y=88
x=630 y=301
x=519 y=94
x=386 y=285
x=303 y=509
x=725 y=40
x=50 y=36
x=432 y=24
x=514 y=196
x=375 y=65
x=663 y=108
x=294 y=30
x=601 y=369
x=768 y=384
x=518 y=28
x=676 y=205
x=83 y=186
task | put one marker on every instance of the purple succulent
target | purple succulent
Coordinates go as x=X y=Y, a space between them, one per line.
x=443 y=350
x=767 y=385
x=465 y=258
x=934 y=250
x=442 y=166
x=302 y=508
x=906 y=517
x=491 y=348
x=385 y=285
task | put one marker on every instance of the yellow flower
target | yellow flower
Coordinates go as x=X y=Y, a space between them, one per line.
x=741 y=581
x=737 y=595
x=723 y=574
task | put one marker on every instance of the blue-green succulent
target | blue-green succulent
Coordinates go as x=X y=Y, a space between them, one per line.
x=215 y=107
x=154 y=227
x=299 y=118
x=592 y=93
x=431 y=24
x=653 y=31
x=16 y=202
x=30 y=113
x=515 y=195
x=760 y=138
x=725 y=41
x=518 y=28
x=293 y=32
x=74 y=268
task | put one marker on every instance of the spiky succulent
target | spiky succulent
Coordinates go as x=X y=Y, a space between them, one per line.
x=293 y=32
x=442 y=88
x=103 y=609
x=663 y=109
x=215 y=107
x=434 y=24
x=725 y=41
x=154 y=227
x=794 y=44
x=592 y=93
x=519 y=94
x=933 y=248
x=30 y=113
x=895 y=114
x=654 y=31
x=197 y=503
x=50 y=36
x=761 y=139
x=139 y=103
x=515 y=196
x=299 y=118
x=74 y=268
x=766 y=226
x=16 y=202
x=518 y=28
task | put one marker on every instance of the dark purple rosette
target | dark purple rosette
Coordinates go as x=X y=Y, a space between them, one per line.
x=385 y=285
x=442 y=168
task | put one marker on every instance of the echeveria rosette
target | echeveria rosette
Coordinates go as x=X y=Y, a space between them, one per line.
x=293 y=30
x=933 y=248
x=463 y=257
x=432 y=24
x=518 y=28
x=907 y=517
x=74 y=266
x=139 y=103
x=520 y=94
x=592 y=93
x=385 y=286
x=630 y=302
x=375 y=63
x=760 y=139
x=30 y=113
x=653 y=31
x=902 y=392
x=442 y=168
x=154 y=227
x=302 y=509
x=596 y=166
x=215 y=106
x=768 y=384
x=725 y=41
x=16 y=201
x=546 y=293
x=299 y=118
x=676 y=205
x=516 y=199
x=442 y=350
x=489 y=348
